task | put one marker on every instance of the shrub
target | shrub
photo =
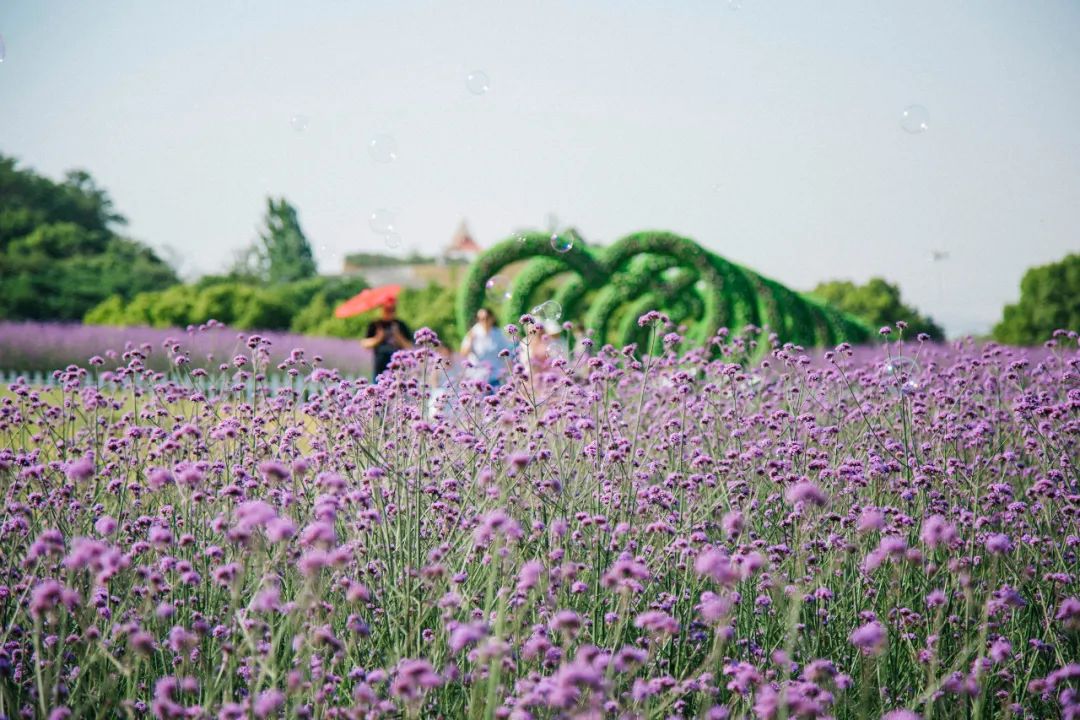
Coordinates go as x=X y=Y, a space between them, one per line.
x=691 y=285
x=878 y=303
x=1049 y=301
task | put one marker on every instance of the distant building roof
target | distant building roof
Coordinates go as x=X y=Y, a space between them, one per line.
x=462 y=243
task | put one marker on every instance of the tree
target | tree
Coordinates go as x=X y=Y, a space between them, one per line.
x=877 y=302
x=59 y=253
x=282 y=253
x=1049 y=301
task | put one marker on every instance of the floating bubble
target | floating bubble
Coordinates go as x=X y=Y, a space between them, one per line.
x=498 y=288
x=548 y=312
x=383 y=148
x=382 y=221
x=915 y=119
x=478 y=83
x=556 y=348
x=392 y=239
x=562 y=242
x=299 y=122
x=901 y=366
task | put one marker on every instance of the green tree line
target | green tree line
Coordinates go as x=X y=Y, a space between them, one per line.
x=60 y=252
x=62 y=257
x=878 y=302
x=274 y=285
x=303 y=306
x=1049 y=301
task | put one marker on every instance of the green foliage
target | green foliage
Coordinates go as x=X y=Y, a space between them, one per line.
x=364 y=260
x=108 y=312
x=878 y=303
x=431 y=307
x=224 y=303
x=239 y=304
x=1049 y=301
x=545 y=264
x=265 y=309
x=282 y=253
x=59 y=256
x=610 y=287
x=316 y=317
x=309 y=319
x=305 y=306
x=174 y=307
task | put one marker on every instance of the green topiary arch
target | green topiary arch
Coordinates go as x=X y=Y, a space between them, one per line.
x=607 y=289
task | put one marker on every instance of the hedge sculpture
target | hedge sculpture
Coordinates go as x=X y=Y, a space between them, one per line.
x=607 y=289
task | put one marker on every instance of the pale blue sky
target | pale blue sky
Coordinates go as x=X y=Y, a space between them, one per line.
x=769 y=133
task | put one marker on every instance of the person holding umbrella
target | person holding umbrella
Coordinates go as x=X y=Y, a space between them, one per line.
x=386 y=335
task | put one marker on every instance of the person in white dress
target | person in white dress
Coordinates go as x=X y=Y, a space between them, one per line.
x=481 y=348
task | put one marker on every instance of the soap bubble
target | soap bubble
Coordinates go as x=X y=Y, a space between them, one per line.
x=901 y=366
x=382 y=221
x=498 y=288
x=392 y=239
x=299 y=122
x=915 y=119
x=556 y=348
x=562 y=242
x=548 y=312
x=383 y=148
x=478 y=83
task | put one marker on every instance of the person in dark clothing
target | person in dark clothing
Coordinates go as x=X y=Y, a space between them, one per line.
x=386 y=336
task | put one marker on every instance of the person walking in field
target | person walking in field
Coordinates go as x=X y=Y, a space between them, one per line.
x=481 y=347
x=386 y=336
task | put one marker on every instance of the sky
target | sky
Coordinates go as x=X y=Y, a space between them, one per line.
x=769 y=131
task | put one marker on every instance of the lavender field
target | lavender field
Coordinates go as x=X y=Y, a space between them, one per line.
x=44 y=347
x=872 y=532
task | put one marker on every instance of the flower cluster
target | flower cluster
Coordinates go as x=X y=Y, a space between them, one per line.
x=690 y=535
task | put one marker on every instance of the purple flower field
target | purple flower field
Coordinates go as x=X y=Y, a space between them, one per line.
x=45 y=347
x=880 y=532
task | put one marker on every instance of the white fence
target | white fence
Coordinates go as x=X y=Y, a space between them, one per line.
x=273 y=381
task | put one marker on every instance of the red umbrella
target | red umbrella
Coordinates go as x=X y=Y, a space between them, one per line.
x=367 y=300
